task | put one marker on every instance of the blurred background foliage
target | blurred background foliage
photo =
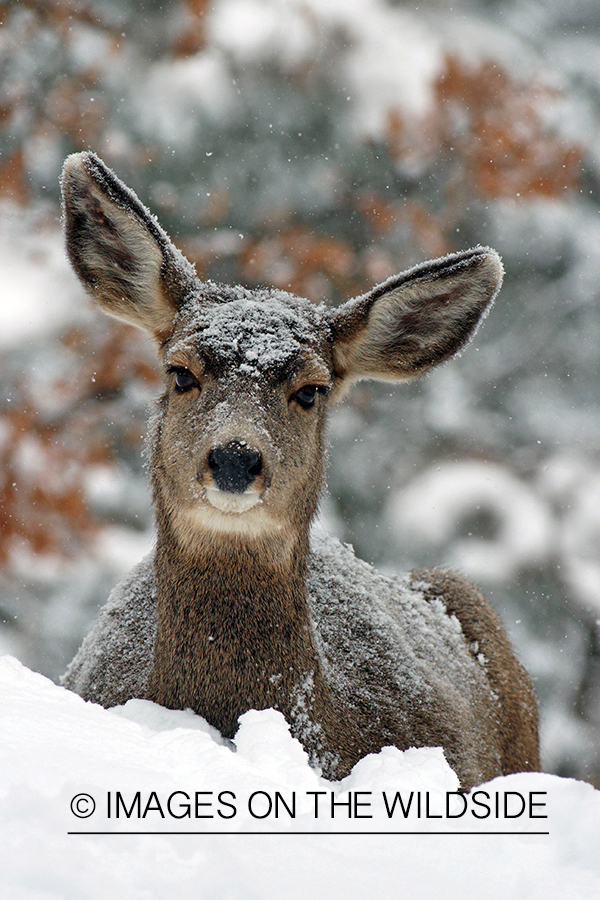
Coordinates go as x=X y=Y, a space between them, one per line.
x=320 y=147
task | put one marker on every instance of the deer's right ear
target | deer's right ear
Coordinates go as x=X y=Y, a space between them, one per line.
x=118 y=249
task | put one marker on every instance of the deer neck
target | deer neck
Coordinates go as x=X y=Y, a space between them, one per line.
x=234 y=630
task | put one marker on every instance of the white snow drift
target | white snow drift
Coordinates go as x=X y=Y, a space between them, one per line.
x=205 y=818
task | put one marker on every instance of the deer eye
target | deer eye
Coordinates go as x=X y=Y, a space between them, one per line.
x=307 y=395
x=184 y=380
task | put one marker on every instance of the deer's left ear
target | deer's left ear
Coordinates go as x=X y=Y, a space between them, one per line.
x=415 y=320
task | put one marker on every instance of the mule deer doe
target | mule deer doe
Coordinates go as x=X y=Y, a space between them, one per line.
x=239 y=607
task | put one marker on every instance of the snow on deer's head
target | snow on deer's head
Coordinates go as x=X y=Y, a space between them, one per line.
x=237 y=442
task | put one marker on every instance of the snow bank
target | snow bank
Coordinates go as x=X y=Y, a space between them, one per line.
x=248 y=817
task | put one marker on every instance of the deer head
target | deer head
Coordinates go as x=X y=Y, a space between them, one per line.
x=237 y=443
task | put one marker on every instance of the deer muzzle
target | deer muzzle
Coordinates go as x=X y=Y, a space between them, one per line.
x=235 y=477
x=234 y=467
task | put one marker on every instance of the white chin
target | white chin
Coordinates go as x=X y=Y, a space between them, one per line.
x=228 y=502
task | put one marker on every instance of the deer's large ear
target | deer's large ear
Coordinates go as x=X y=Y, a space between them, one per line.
x=415 y=320
x=118 y=249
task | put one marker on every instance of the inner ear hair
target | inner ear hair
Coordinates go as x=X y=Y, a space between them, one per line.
x=415 y=320
x=118 y=249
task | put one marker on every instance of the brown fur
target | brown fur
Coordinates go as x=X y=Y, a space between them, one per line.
x=247 y=616
x=518 y=719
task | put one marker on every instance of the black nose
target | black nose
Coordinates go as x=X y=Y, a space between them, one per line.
x=234 y=467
